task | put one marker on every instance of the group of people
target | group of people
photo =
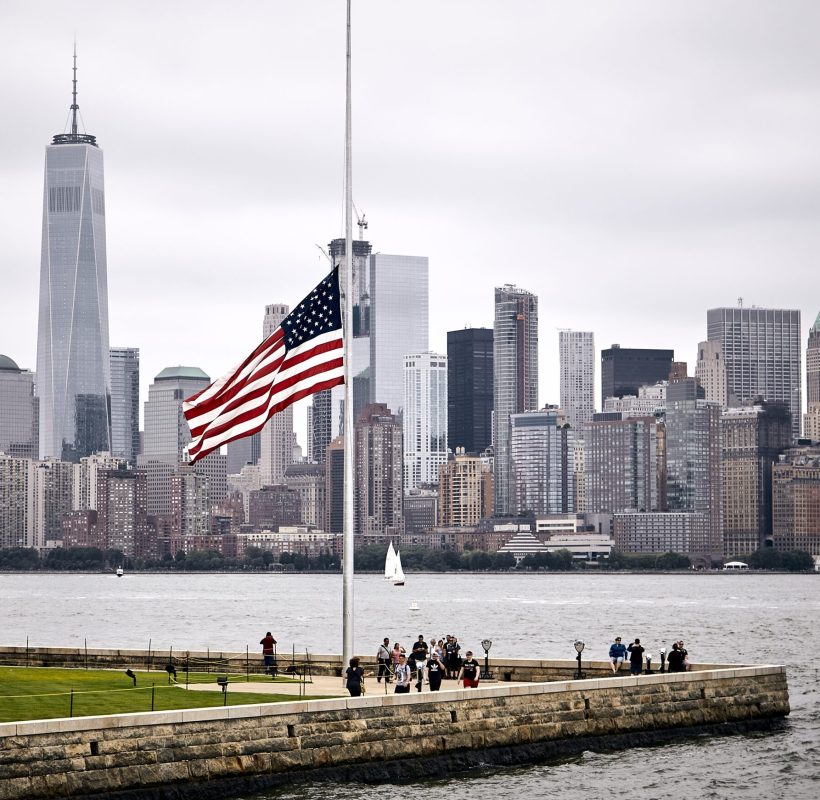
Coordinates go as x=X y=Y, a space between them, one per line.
x=428 y=664
x=677 y=659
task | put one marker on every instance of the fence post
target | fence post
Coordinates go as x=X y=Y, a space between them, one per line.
x=149 y=655
x=208 y=661
x=152 y=696
x=247 y=665
x=85 y=646
x=27 y=651
x=71 y=704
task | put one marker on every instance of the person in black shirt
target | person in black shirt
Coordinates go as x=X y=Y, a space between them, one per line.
x=418 y=656
x=675 y=659
x=383 y=657
x=435 y=672
x=635 y=657
x=469 y=672
x=354 y=678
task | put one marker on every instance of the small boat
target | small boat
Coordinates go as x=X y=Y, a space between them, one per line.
x=398 y=572
x=414 y=606
x=120 y=572
x=390 y=563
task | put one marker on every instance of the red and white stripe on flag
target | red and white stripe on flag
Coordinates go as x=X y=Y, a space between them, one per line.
x=304 y=355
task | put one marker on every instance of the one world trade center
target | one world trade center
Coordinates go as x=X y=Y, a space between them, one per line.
x=73 y=371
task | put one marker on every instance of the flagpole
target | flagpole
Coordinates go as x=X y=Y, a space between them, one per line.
x=347 y=537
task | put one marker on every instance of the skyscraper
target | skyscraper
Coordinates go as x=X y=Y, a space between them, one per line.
x=18 y=411
x=425 y=418
x=752 y=438
x=470 y=389
x=465 y=491
x=761 y=349
x=398 y=323
x=813 y=381
x=576 y=352
x=125 y=403
x=277 y=437
x=711 y=372
x=515 y=381
x=73 y=377
x=625 y=369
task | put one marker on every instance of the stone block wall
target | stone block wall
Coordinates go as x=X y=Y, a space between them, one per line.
x=212 y=751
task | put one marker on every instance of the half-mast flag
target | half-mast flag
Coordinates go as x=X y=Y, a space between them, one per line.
x=304 y=355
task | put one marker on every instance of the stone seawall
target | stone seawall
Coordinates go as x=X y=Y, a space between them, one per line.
x=211 y=752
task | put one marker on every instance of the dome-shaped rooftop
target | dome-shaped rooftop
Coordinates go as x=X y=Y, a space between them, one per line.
x=7 y=364
x=177 y=373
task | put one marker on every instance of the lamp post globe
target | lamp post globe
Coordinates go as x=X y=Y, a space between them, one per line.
x=579 y=648
x=486 y=644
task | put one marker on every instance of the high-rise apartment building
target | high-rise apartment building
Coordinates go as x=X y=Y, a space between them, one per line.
x=51 y=484
x=761 y=349
x=277 y=437
x=308 y=480
x=470 y=389
x=515 y=380
x=86 y=474
x=625 y=369
x=465 y=491
x=398 y=323
x=125 y=402
x=693 y=482
x=576 y=355
x=711 y=373
x=651 y=401
x=122 y=511
x=379 y=486
x=425 y=418
x=73 y=378
x=18 y=411
x=796 y=501
x=15 y=510
x=542 y=456
x=752 y=438
x=811 y=423
x=621 y=464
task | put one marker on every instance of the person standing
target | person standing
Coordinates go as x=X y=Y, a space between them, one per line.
x=469 y=672
x=435 y=671
x=402 y=674
x=419 y=657
x=635 y=657
x=354 y=678
x=617 y=654
x=268 y=658
x=384 y=659
x=674 y=660
x=685 y=656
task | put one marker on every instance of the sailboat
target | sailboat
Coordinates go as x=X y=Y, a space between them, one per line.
x=389 y=563
x=398 y=572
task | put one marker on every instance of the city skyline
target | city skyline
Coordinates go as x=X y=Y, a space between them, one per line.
x=680 y=181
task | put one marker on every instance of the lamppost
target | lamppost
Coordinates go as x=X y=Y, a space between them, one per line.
x=579 y=648
x=486 y=644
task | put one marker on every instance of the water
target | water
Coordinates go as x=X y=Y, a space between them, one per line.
x=744 y=618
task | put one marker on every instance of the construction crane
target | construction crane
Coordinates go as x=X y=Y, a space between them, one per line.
x=361 y=221
x=325 y=254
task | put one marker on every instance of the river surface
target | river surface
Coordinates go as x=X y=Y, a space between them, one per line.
x=741 y=618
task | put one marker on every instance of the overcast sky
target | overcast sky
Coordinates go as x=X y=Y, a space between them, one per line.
x=632 y=163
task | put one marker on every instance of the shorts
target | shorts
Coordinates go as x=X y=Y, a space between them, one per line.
x=617 y=659
x=402 y=689
x=470 y=683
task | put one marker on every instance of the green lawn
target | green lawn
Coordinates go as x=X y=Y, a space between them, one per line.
x=45 y=692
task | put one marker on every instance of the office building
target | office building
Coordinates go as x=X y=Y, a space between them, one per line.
x=241 y=452
x=752 y=438
x=625 y=369
x=811 y=423
x=812 y=419
x=761 y=350
x=711 y=373
x=796 y=501
x=576 y=354
x=515 y=381
x=334 y=485
x=398 y=323
x=125 y=402
x=656 y=532
x=650 y=401
x=465 y=491
x=308 y=480
x=621 y=464
x=470 y=389
x=73 y=378
x=379 y=486
x=420 y=511
x=18 y=411
x=425 y=418
x=272 y=506
x=693 y=453
x=277 y=438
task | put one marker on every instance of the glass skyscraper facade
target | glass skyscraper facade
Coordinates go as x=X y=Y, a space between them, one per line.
x=125 y=403
x=470 y=389
x=625 y=369
x=18 y=406
x=73 y=377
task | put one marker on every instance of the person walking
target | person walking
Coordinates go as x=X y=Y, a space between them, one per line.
x=384 y=660
x=354 y=678
x=635 y=657
x=469 y=672
x=402 y=674
x=435 y=671
x=268 y=658
x=617 y=654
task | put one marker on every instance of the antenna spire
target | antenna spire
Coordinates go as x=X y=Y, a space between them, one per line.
x=74 y=107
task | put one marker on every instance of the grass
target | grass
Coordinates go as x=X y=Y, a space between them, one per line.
x=28 y=693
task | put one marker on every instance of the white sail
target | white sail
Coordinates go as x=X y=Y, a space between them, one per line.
x=389 y=562
x=398 y=573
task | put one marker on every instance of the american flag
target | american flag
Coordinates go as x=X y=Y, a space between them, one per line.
x=304 y=355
